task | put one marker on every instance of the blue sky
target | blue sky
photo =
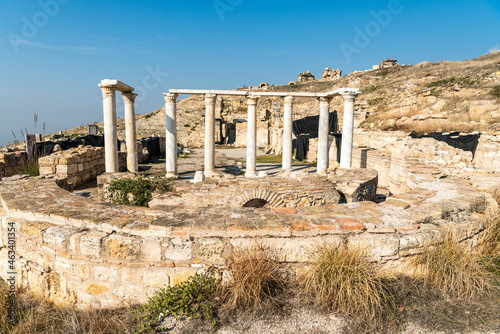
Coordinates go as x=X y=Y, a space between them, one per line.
x=53 y=53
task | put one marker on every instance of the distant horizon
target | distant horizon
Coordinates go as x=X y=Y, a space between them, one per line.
x=55 y=52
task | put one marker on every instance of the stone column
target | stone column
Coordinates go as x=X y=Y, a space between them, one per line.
x=287 y=134
x=171 y=135
x=348 y=129
x=210 y=100
x=130 y=130
x=110 y=135
x=323 y=130
x=251 y=169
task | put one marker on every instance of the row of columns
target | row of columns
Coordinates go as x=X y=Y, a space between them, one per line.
x=251 y=157
x=110 y=129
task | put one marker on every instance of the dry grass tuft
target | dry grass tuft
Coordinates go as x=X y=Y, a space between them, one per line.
x=257 y=282
x=456 y=271
x=38 y=316
x=343 y=280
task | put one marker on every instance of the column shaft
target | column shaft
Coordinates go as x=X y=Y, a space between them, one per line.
x=210 y=100
x=324 y=122
x=171 y=134
x=251 y=164
x=110 y=134
x=130 y=131
x=347 y=130
x=287 y=134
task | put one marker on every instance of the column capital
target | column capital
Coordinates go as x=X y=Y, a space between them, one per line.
x=349 y=94
x=325 y=99
x=129 y=97
x=252 y=100
x=170 y=98
x=289 y=99
x=107 y=91
x=210 y=98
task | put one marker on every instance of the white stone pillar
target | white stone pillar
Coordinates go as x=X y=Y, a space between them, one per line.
x=251 y=164
x=130 y=131
x=323 y=130
x=210 y=100
x=347 y=129
x=171 y=134
x=110 y=135
x=287 y=134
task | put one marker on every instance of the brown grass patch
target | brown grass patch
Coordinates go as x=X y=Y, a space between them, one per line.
x=257 y=281
x=455 y=270
x=35 y=315
x=343 y=280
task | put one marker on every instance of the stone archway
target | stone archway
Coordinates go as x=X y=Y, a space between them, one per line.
x=271 y=198
x=256 y=203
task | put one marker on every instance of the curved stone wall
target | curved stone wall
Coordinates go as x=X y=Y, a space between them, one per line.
x=75 y=250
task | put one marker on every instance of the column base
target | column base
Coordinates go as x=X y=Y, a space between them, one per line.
x=322 y=172
x=171 y=174
x=209 y=173
x=250 y=174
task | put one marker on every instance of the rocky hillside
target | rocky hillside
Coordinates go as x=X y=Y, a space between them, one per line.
x=427 y=97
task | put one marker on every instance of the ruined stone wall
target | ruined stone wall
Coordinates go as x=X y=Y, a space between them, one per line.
x=78 y=165
x=400 y=159
x=74 y=250
x=11 y=163
x=303 y=190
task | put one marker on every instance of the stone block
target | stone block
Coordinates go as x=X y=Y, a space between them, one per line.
x=91 y=244
x=97 y=289
x=133 y=275
x=34 y=229
x=122 y=247
x=58 y=236
x=211 y=250
x=179 y=249
x=105 y=273
x=156 y=279
x=151 y=249
x=182 y=275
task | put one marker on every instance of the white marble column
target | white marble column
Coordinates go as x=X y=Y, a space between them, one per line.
x=210 y=100
x=323 y=130
x=171 y=134
x=110 y=134
x=287 y=134
x=130 y=131
x=251 y=163
x=347 y=129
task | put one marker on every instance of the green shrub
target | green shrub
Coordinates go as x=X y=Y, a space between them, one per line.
x=32 y=168
x=135 y=192
x=193 y=298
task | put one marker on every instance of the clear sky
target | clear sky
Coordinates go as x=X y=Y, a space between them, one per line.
x=53 y=53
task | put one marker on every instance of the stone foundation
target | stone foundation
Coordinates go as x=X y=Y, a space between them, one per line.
x=78 y=165
x=11 y=163
x=73 y=250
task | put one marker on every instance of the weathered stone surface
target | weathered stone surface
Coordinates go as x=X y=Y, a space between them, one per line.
x=121 y=247
x=211 y=250
x=91 y=244
x=178 y=250
x=58 y=236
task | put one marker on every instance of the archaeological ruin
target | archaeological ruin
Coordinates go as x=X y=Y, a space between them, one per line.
x=77 y=250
